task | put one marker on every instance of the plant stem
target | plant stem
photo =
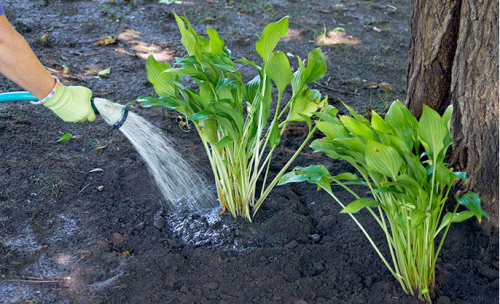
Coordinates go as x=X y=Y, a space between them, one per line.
x=283 y=170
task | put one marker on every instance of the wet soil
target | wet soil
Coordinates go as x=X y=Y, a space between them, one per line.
x=68 y=235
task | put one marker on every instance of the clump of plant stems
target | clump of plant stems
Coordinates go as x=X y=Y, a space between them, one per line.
x=401 y=161
x=233 y=118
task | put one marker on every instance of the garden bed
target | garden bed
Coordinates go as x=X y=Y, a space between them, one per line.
x=68 y=235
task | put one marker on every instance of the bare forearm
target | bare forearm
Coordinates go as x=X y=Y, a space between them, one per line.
x=20 y=64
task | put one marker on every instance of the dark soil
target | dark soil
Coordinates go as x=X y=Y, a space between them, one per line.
x=70 y=236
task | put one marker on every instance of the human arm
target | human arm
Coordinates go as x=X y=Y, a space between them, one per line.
x=20 y=64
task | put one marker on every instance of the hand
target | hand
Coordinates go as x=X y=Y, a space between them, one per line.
x=72 y=104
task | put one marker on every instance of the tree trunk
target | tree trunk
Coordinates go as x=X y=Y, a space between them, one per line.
x=453 y=59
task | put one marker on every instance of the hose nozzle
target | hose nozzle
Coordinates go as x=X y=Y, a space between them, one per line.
x=114 y=114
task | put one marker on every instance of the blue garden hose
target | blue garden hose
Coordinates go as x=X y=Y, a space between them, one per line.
x=17 y=96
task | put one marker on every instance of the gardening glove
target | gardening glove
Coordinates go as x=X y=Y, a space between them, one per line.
x=72 y=104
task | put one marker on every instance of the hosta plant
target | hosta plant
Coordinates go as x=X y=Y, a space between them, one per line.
x=401 y=161
x=233 y=118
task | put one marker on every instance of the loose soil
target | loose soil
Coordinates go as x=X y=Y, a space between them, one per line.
x=68 y=235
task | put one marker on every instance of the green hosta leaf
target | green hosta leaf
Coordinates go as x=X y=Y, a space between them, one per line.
x=346 y=176
x=350 y=144
x=312 y=174
x=417 y=169
x=307 y=119
x=398 y=144
x=359 y=204
x=457 y=218
x=270 y=38
x=224 y=142
x=355 y=114
x=333 y=130
x=66 y=137
x=188 y=39
x=252 y=89
x=462 y=175
x=316 y=66
x=250 y=62
x=216 y=43
x=472 y=201
x=194 y=73
x=207 y=129
x=224 y=82
x=432 y=131
x=155 y=74
x=306 y=104
x=328 y=113
x=356 y=127
x=447 y=117
x=274 y=135
x=444 y=175
x=383 y=159
x=379 y=124
x=417 y=218
x=278 y=68
x=206 y=95
x=325 y=145
x=298 y=85
x=315 y=70
x=402 y=123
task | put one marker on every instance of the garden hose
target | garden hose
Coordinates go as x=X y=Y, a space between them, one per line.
x=114 y=114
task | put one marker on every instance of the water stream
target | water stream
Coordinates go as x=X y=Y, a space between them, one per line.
x=181 y=186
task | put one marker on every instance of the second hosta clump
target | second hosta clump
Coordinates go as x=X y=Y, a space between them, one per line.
x=233 y=118
x=401 y=161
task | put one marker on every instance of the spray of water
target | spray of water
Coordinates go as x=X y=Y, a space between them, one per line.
x=181 y=186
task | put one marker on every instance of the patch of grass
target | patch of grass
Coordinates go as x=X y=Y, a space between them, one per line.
x=52 y=187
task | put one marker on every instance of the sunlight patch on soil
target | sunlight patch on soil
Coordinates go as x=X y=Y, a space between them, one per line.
x=142 y=48
x=293 y=34
x=336 y=37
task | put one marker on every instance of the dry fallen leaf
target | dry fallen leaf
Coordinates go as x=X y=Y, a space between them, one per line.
x=106 y=40
x=385 y=87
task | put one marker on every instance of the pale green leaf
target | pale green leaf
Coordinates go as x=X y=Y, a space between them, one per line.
x=270 y=38
x=383 y=159
x=432 y=131
x=66 y=137
x=278 y=68
x=359 y=204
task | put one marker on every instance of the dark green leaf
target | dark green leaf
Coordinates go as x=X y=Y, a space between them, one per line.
x=312 y=174
x=472 y=201
x=462 y=175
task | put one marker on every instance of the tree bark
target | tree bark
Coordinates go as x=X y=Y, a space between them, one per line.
x=465 y=32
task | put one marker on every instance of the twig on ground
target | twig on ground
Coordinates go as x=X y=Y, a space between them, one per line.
x=90 y=54
x=84 y=187
x=335 y=90
x=36 y=281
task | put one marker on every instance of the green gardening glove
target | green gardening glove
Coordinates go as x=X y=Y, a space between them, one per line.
x=72 y=104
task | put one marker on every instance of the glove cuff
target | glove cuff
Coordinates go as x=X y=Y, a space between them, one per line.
x=52 y=92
